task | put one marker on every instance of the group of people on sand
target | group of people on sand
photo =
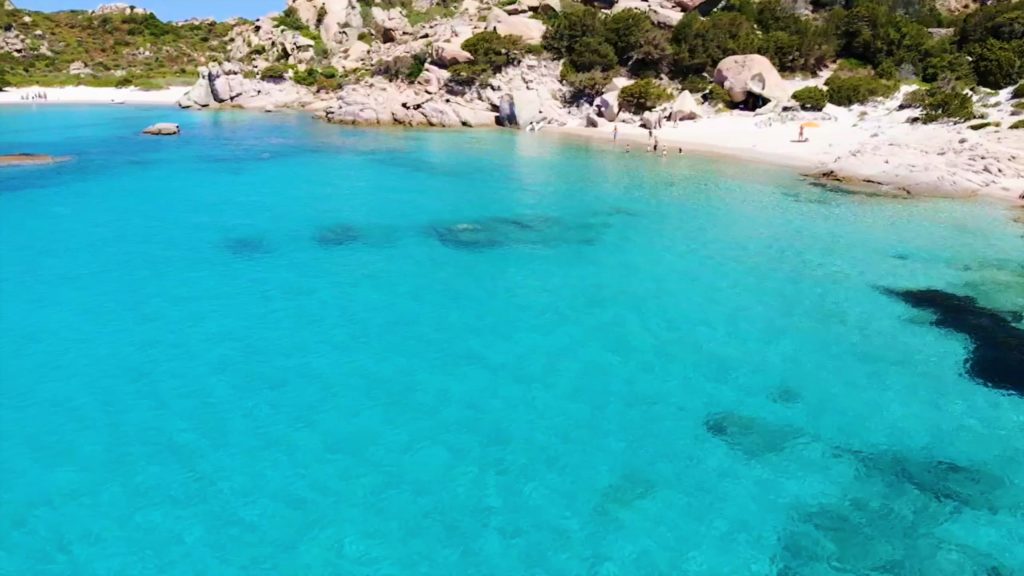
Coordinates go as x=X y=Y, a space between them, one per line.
x=35 y=96
x=653 y=145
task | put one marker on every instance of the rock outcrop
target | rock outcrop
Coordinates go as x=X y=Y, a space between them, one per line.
x=79 y=69
x=163 y=129
x=752 y=74
x=338 y=21
x=224 y=85
x=518 y=96
x=8 y=5
x=392 y=23
x=30 y=159
x=119 y=8
x=531 y=31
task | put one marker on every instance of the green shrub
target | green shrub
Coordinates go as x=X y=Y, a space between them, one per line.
x=947 y=104
x=701 y=43
x=274 y=72
x=811 y=98
x=995 y=64
x=566 y=30
x=643 y=95
x=850 y=90
x=493 y=50
x=695 y=84
x=468 y=74
x=401 y=67
x=1018 y=105
x=625 y=32
x=982 y=125
x=914 y=99
x=592 y=54
x=307 y=77
x=290 y=19
x=584 y=86
x=1018 y=125
x=4 y=80
x=1018 y=92
x=719 y=95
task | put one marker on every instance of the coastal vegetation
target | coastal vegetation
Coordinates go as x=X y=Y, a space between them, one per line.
x=113 y=49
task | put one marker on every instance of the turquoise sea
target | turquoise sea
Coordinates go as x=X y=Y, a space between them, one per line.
x=272 y=346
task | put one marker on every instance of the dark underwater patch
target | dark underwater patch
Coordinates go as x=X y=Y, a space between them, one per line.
x=751 y=436
x=868 y=536
x=337 y=235
x=941 y=480
x=247 y=246
x=997 y=353
x=502 y=232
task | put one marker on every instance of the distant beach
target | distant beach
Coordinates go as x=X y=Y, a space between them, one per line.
x=89 y=95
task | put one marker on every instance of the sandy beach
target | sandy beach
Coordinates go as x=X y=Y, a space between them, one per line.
x=88 y=95
x=871 y=148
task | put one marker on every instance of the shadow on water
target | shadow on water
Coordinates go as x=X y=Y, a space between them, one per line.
x=997 y=353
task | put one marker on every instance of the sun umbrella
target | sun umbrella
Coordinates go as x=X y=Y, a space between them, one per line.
x=810 y=125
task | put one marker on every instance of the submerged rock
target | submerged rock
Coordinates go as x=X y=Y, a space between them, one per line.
x=997 y=353
x=541 y=231
x=942 y=480
x=869 y=536
x=338 y=235
x=247 y=246
x=751 y=436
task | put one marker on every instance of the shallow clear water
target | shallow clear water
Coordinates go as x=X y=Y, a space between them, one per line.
x=268 y=347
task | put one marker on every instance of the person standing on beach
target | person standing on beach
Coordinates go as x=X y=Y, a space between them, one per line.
x=650 y=133
x=615 y=134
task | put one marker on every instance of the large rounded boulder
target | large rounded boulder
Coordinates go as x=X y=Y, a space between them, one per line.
x=751 y=74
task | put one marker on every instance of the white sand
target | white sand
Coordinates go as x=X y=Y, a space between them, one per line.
x=872 y=148
x=86 y=95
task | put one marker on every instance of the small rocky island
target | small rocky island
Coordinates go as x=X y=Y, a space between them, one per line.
x=26 y=159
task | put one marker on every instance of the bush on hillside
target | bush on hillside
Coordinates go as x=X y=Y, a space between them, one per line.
x=654 y=57
x=996 y=64
x=592 y=54
x=584 y=86
x=811 y=98
x=1018 y=125
x=307 y=77
x=643 y=95
x=290 y=19
x=274 y=72
x=947 y=104
x=695 y=84
x=625 y=32
x=401 y=67
x=1018 y=92
x=571 y=26
x=701 y=43
x=914 y=99
x=493 y=50
x=850 y=90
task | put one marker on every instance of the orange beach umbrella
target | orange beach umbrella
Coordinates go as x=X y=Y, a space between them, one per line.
x=810 y=125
